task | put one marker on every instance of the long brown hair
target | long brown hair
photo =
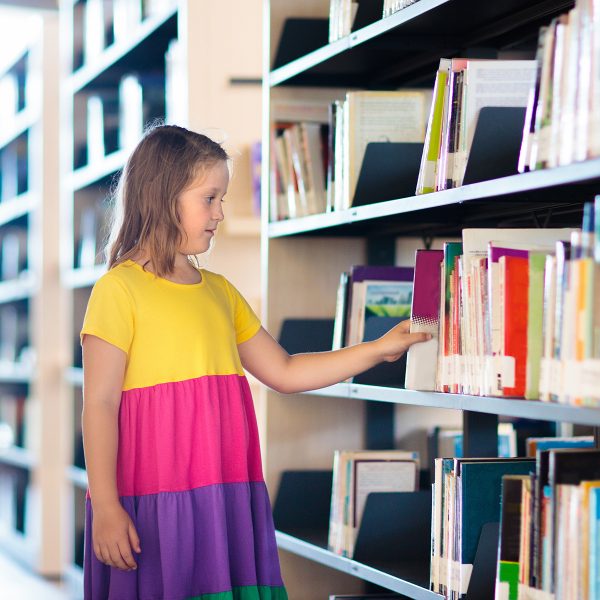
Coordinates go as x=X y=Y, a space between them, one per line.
x=145 y=216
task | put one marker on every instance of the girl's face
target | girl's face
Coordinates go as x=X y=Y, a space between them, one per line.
x=201 y=208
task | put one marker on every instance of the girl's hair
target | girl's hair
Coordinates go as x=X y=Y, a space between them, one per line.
x=145 y=214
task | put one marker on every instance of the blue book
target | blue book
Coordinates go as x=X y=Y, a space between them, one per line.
x=480 y=487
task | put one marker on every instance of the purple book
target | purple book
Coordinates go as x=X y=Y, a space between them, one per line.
x=421 y=362
x=381 y=273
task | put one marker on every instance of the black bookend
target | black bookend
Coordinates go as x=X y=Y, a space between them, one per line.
x=303 y=503
x=483 y=577
x=368 y=12
x=306 y=335
x=395 y=534
x=496 y=144
x=385 y=374
x=389 y=170
x=300 y=37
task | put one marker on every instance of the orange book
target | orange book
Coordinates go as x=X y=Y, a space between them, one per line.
x=516 y=305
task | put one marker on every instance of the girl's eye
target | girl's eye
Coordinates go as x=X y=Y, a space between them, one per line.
x=210 y=199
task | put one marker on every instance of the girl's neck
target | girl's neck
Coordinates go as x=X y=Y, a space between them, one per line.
x=183 y=271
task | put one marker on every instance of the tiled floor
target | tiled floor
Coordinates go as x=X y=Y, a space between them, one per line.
x=17 y=583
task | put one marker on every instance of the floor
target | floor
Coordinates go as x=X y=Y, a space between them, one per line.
x=17 y=583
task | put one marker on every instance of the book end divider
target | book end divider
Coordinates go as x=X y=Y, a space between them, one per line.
x=496 y=144
x=300 y=37
x=367 y=13
x=394 y=531
x=389 y=171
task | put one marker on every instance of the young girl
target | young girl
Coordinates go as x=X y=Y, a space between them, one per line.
x=177 y=507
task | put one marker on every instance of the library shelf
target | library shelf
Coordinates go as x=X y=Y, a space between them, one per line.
x=17 y=289
x=20 y=547
x=12 y=372
x=17 y=207
x=78 y=477
x=139 y=43
x=17 y=457
x=511 y=188
x=414 y=39
x=93 y=173
x=84 y=277
x=319 y=554
x=21 y=122
x=509 y=407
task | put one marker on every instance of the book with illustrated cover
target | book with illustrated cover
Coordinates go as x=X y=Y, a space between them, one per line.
x=421 y=362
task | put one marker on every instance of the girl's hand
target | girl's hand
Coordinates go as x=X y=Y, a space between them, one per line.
x=398 y=340
x=114 y=536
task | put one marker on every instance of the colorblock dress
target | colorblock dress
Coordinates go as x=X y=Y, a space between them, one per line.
x=188 y=467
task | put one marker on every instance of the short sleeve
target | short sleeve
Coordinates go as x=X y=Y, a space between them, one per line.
x=246 y=322
x=109 y=313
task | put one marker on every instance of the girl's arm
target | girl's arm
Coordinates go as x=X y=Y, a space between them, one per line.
x=113 y=533
x=262 y=356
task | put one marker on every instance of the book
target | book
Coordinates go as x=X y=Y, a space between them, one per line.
x=376 y=292
x=358 y=473
x=377 y=116
x=509 y=547
x=421 y=361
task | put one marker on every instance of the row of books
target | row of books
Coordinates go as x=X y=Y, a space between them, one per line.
x=15 y=496
x=513 y=312
x=466 y=495
x=115 y=118
x=14 y=176
x=563 y=118
x=550 y=527
x=329 y=169
x=356 y=474
x=342 y=14
x=299 y=175
x=103 y=23
x=393 y=6
x=462 y=88
x=14 y=334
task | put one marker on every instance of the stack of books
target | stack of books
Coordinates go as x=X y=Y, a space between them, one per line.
x=518 y=311
x=341 y=18
x=563 y=117
x=462 y=88
x=356 y=474
x=550 y=526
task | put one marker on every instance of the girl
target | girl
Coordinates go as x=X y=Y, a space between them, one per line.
x=177 y=507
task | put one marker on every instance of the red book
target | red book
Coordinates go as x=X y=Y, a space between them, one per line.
x=516 y=298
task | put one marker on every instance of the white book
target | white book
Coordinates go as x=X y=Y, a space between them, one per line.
x=127 y=16
x=131 y=112
x=176 y=85
x=492 y=83
x=94 y=23
x=95 y=129
x=380 y=117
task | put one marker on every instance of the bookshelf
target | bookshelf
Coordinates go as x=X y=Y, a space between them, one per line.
x=168 y=46
x=302 y=258
x=30 y=385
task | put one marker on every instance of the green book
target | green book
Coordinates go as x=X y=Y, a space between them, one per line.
x=509 y=545
x=535 y=323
